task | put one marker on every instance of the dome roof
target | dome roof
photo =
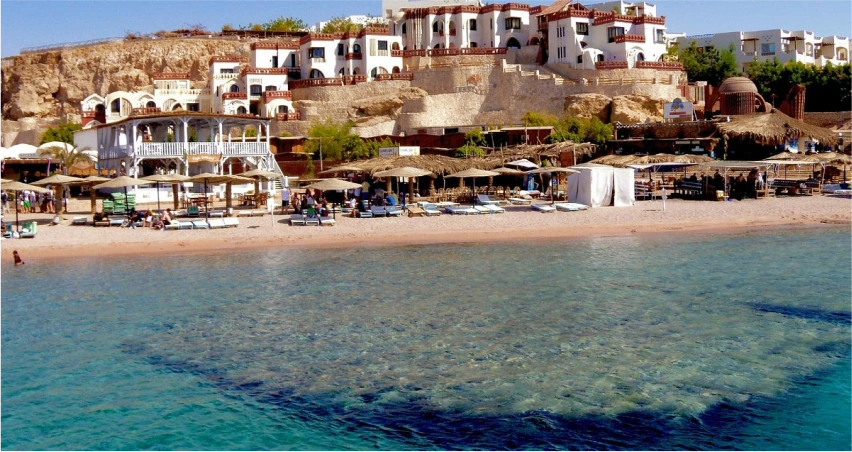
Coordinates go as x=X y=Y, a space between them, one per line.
x=737 y=85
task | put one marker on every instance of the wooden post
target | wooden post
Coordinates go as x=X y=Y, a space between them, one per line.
x=431 y=185
x=411 y=190
x=94 y=199
x=228 y=196
x=176 y=196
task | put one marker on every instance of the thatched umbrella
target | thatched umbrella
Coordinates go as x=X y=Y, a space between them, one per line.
x=408 y=172
x=213 y=178
x=257 y=175
x=58 y=180
x=333 y=185
x=171 y=178
x=343 y=169
x=552 y=169
x=90 y=181
x=123 y=182
x=773 y=128
x=17 y=187
x=474 y=173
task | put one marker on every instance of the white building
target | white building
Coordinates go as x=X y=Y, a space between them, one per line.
x=392 y=9
x=801 y=46
x=613 y=34
x=369 y=52
x=360 y=20
x=464 y=26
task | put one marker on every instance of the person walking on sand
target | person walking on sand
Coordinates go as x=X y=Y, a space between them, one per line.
x=18 y=260
x=285 y=198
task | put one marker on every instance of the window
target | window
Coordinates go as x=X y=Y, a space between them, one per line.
x=275 y=61
x=226 y=71
x=193 y=106
x=579 y=59
x=270 y=88
x=315 y=73
x=435 y=27
x=241 y=110
x=582 y=28
x=383 y=45
x=256 y=90
x=356 y=48
x=767 y=49
x=282 y=109
x=235 y=89
x=340 y=49
x=403 y=28
x=491 y=22
x=661 y=36
x=472 y=25
x=513 y=23
x=115 y=106
x=316 y=52
x=612 y=32
x=473 y=45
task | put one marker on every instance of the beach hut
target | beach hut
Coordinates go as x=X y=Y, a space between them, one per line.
x=598 y=185
x=774 y=128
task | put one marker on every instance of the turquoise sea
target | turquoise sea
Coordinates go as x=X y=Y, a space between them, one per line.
x=737 y=342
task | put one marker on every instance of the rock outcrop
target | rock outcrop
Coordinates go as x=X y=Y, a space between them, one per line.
x=588 y=106
x=631 y=109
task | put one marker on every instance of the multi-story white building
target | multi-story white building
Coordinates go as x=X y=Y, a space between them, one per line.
x=612 y=34
x=360 y=20
x=801 y=46
x=367 y=52
x=464 y=26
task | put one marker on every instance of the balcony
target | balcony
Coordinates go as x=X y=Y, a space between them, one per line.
x=629 y=38
x=289 y=116
x=179 y=149
x=354 y=56
x=398 y=76
x=264 y=71
x=228 y=96
x=170 y=76
x=335 y=81
x=271 y=95
x=611 y=65
x=145 y=111
x=183 y=92
x=663 y=65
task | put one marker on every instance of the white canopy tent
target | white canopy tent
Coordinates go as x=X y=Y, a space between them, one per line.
x=600 y=186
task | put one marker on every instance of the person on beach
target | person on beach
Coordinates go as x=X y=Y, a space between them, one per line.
x=18 y=260
x=167 y=218
x=285 y=199
x=5 y=198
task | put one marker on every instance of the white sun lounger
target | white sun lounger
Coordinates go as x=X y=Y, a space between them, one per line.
x=570 y=207
x=544 y=208
x=458 y=210
x=522 y=201
x=297 y=219
x=173 y=226
x=80 y=220
x=217 y=213
x=200 y=224
x=327 y=221
x=431 y=210
x=231 y=222
x=243 y=213
x=483 y=210
x=393 y=211
x=312 y=220
x=216 y=223
x=486 y=200
x=495 y=208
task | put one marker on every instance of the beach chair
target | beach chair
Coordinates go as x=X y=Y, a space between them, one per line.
x=216 y=223
x=108 y=206
x=9 y=231
x=494 y=208
x=378 y=211
x=130 y=201
x=432 y=210
x=486 y=200
x=243 y=213
x=393 y=211
x=174 y=225
x=297 y=219
x=458 y=210
x=184 y=224
x=416 y=212
x=28 y=230
x=570 y=207
x=543 y=208
x=483 y=210
x=80 y=221
x=311 y=218
x=192 y=211
x=200 y=224
x=327 y=221
x=217 y=214
x=521 y=201
x=231 y=222
x=116 y=221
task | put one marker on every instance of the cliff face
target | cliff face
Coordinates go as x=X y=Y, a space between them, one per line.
x=52 y=84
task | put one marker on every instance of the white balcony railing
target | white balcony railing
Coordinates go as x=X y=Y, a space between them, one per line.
x=160 y=149
x=182 y=92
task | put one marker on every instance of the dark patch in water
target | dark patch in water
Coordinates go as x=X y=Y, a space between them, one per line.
x=820 y=315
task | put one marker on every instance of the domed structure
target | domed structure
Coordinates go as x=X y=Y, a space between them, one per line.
x=737 y=85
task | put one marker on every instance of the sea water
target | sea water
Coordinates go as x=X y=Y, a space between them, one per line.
x=650 y=342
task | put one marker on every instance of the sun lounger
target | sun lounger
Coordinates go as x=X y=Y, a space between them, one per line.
x=231 y=222
x=192 y=211
x=483 y=210
x=416 y=212
x=200 y=224
x=102 y=223
x=458 y=210
x=258 y=213
x=28 y=230
x=365 y=214
x=431 y=210
x=116 y=221
x=520 y=201
x=543 y=208
x=327 y=221
x=393 y=211
x=243 y=213
x=297 y=219
x=80 y=221
x=217 y=214
x=570 y=207
x=495 y=208
x=175 y=225
x=216 y=223
x=378 y=211
x=486 y=200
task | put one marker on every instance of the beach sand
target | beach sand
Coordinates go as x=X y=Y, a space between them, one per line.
x=518 y=223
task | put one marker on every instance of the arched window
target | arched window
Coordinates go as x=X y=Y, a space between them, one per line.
x=151 y=104
x=241 y=110
x=283 y=109
x=395 y=46
x=342 y=71
x=435 y=27
x=177 y=107
x=513 y=43
x=395 y=70
x=356 y=48
x=115 y=106
x=316 y=73
x=437 y=46
x=235 y=89
x=640 y=56
x=600 y=57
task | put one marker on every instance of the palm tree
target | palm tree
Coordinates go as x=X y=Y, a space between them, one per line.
x=68 y=156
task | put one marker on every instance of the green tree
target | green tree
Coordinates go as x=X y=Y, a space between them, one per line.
x=64 y=132
x=68 y=156
x=340 y=24
x=827 y=89
x=368 y=149
x=334 y=139
x=285 y=24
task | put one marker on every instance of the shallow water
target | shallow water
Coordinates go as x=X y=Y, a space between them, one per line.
x=701 y=342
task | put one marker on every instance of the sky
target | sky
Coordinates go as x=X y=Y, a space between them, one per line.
x=34 y=23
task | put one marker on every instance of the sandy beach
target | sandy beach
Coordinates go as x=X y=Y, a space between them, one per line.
x=518 y=223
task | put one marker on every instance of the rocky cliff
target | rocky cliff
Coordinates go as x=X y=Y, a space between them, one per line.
x=51 y=84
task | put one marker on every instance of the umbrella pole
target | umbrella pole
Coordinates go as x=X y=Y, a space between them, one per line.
x=17 y=226
x=206 y=200
x=411 y=190
x=175 y=195
x=94 y=199
x=158 y=197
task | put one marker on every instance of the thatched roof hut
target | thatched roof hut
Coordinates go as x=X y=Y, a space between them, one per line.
x=772 y=128
x=437 y=164
x=624 y=160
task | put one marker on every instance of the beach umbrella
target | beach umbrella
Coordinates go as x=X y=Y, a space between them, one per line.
x=333 y=184
x=473 y=173
x=405 y=171
x=172 y=178
x=257 y=175
x=123 y=182
x=522 y=163
x=552 y=169
x=213 y=178
x=92 y=180
x=343 y=169
x=58 y=179
x=18 y=187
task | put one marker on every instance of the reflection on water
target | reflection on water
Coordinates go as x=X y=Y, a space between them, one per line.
x=571 y=344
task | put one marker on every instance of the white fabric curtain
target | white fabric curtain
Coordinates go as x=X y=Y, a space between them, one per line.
x=625 y=195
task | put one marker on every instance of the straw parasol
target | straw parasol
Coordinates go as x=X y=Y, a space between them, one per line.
x=508 y=171
x=258 y=175
x=58 y=179
x=343 y=169
x=772 y=128
x=213 y=178
x=170 y=178
x=474 y=173
x=90 y=181
x=17 y=187
x=613 y=160
x=333 y=185
x=408 y=172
